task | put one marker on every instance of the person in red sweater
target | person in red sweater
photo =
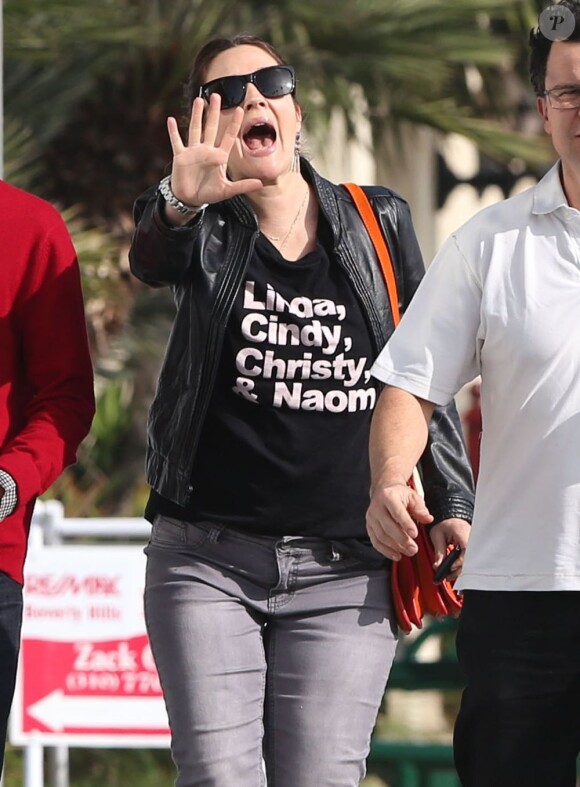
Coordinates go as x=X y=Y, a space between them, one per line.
x=46 y=390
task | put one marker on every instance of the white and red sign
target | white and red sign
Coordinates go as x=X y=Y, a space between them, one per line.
x=86 y=674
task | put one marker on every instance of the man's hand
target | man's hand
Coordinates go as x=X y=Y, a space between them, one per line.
x=391 y=519
x=454 y=532
x=397 y=440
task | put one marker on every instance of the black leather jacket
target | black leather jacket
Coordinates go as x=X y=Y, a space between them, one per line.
x=205 y=262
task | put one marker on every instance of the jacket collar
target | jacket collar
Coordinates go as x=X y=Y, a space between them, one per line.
x=327 y=196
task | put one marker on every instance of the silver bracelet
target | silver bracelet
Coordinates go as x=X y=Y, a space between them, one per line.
x=171 y=199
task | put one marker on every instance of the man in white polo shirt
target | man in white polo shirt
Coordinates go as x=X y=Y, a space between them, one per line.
x=502 y=299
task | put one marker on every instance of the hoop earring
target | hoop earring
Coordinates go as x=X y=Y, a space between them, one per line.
x=295 y=166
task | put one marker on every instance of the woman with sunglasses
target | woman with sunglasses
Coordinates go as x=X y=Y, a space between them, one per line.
x=267 y=607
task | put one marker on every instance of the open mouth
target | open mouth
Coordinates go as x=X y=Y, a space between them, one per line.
x=260 y=136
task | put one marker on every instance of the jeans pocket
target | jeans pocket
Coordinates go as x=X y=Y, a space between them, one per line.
x=168 y=532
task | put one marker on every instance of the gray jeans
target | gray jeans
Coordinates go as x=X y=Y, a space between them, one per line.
x=265 y=646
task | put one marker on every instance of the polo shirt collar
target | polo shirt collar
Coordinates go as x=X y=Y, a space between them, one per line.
x=548 y=193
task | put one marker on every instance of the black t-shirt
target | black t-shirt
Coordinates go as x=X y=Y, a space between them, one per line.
x=284 y=448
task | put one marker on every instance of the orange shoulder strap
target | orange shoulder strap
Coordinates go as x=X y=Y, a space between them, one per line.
x=369 y=219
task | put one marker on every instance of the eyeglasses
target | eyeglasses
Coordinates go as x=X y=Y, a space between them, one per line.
x=566 y=97
x=272 y=82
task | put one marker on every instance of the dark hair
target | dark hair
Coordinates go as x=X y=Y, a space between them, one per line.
x=206 y=55
x=540 y=47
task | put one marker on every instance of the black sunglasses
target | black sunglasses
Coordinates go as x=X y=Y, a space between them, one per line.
x=272 y=82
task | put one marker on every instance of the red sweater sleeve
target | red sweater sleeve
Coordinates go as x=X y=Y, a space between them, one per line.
x=46 y=380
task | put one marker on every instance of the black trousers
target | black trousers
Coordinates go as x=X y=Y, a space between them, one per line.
x=519 y=722
x=10 y=625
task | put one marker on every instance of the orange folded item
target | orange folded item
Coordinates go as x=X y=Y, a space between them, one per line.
x=414 y=591
x=410 y=592
x=413 y=588
x=398 y=604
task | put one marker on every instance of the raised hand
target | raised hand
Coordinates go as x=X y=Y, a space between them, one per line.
x=198 y=174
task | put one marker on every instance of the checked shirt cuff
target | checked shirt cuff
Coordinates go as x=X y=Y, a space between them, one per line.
x=10 y=497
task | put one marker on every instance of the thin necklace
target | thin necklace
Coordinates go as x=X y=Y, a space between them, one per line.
x=285 y=237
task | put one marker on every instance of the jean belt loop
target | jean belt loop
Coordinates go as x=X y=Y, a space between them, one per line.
x=335 y=553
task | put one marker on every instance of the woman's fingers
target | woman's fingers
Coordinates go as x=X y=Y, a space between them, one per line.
x=194 y=137
x=174 y=136
x=212 y=120
x=206 y=134
x=232 y=130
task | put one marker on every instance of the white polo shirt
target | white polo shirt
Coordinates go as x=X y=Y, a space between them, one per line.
x=502 y=299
